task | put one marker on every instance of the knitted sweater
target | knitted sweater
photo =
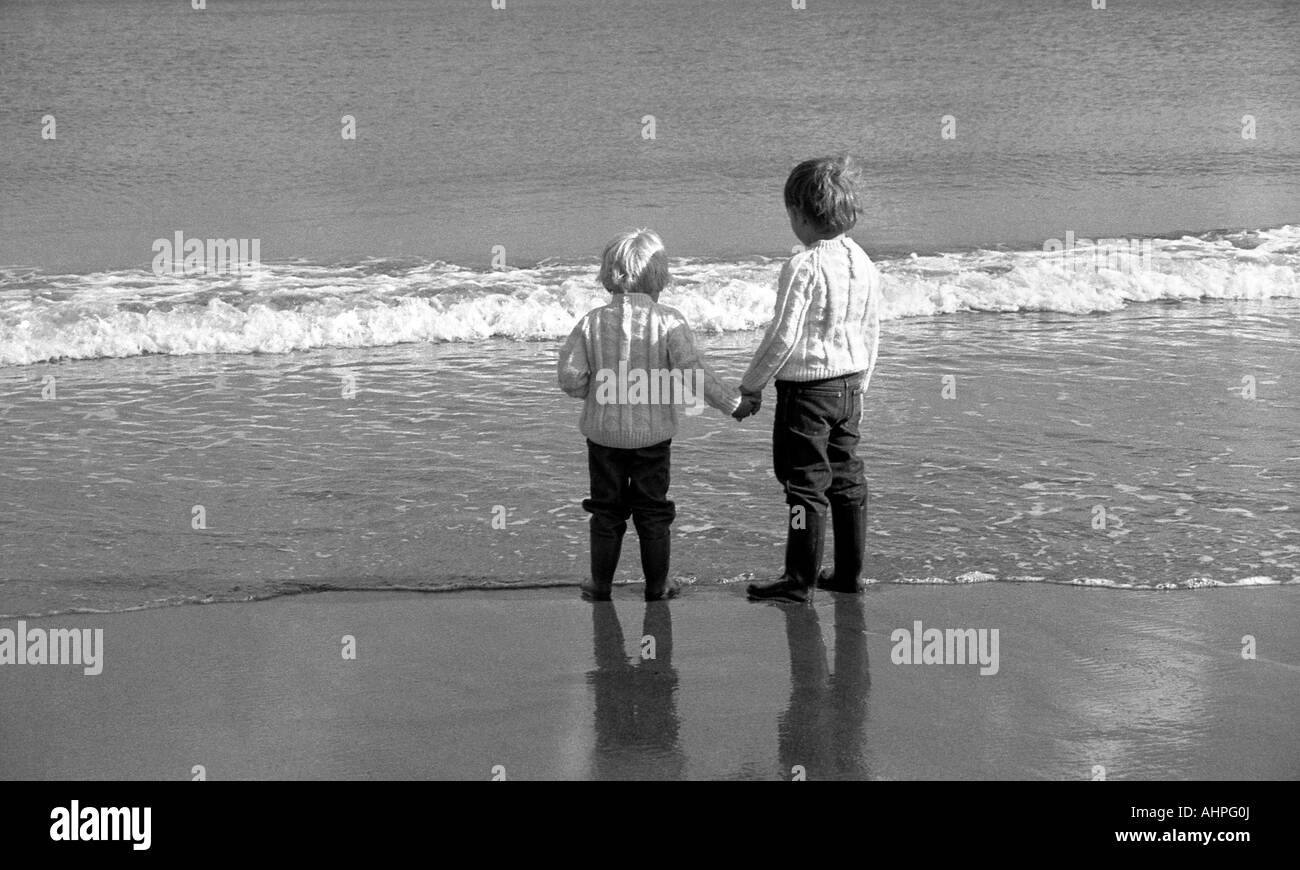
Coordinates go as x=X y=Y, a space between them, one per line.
x=635 y=362
x=827 y=320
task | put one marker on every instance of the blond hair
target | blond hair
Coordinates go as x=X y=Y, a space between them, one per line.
x=635 y=262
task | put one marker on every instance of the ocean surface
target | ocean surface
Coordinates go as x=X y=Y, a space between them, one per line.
x=373 y=404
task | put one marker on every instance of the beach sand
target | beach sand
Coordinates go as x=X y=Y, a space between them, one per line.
x=539 y=685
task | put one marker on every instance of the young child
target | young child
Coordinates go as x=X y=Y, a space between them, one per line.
x=634 y=361
x=821 y=348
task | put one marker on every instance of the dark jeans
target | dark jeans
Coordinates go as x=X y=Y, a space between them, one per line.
x=630 y=482
x=814 y=443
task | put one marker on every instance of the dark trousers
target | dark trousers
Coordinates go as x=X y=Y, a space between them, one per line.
x=814 y=443
x=630 y=482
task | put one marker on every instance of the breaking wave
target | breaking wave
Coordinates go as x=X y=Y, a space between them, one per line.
x=278 y=308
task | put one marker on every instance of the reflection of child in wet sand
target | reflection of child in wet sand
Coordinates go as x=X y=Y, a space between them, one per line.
x=635 y=702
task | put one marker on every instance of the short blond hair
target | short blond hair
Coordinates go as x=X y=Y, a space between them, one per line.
x=635 y=262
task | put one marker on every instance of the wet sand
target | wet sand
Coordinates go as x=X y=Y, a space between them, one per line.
x=539 y=685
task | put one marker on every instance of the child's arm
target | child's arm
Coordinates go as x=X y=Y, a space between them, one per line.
x=684 y=356
x=792 y=300
x=874 y=302
x=574 y=369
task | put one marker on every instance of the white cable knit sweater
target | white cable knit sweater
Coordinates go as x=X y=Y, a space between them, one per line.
x=827 y=320
x=602 y=356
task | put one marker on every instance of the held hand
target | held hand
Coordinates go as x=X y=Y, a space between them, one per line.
x=749 y=405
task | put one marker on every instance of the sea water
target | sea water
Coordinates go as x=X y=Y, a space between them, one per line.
x=372 y=403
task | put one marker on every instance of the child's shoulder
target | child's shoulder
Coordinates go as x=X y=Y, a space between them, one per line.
x=819 y=258
x=843 y=246
x=591 y=321
x=800 y=259
x=671 y=317
x=858 y=257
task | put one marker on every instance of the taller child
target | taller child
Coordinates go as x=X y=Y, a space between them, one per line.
x=821 y=348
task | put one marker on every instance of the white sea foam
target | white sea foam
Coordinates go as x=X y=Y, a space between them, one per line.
x=286 y=307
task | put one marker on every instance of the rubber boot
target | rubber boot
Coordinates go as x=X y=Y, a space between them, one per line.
x=849 y=522
x=605 y=550
x=803 y=558
x=655 y=556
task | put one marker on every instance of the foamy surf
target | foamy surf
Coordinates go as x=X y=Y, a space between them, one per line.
x=279 y=308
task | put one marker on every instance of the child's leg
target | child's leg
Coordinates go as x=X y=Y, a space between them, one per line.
x=653 y=513
x=609 y=510
x=799 y=442
x=807 y=409
x=848 y=498
x=781 y=438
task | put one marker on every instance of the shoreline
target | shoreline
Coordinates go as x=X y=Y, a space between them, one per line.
x=632 y=588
